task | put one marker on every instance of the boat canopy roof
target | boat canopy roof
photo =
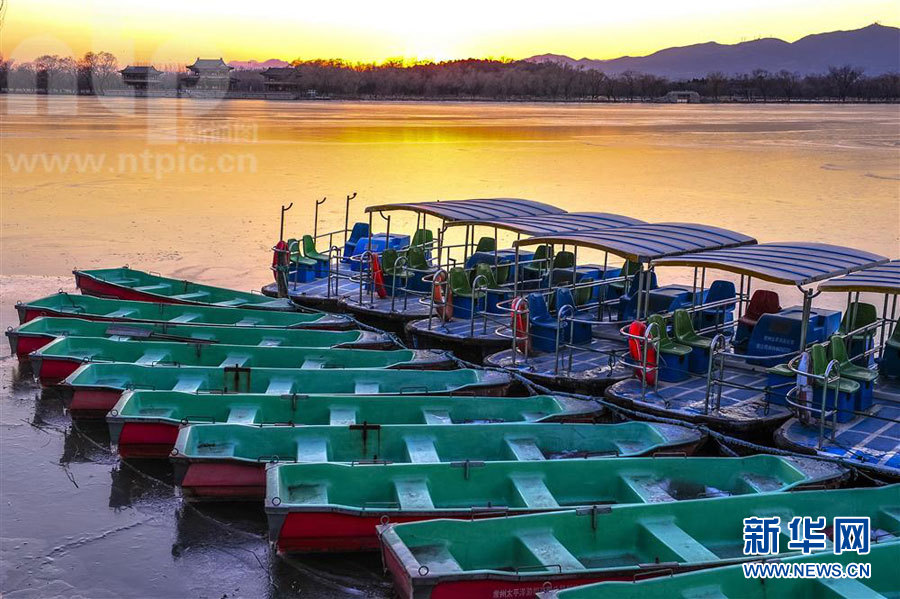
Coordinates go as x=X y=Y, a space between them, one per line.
x=881 y=278
x=548 y=224
x=474 y=210
x=787 y=262
x=647 y=242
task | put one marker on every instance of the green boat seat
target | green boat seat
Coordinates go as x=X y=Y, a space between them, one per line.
x=460 y=285
x=819 y=360
x=297 y=257
x=525 y=449
x=189 y=384
x=393 y=274
x=159 y=287
x=628 y=269
x=684 y=331
x=666 y=344
x=486 y=271
x=863 y=315
x=847 y=368
x=186 y=317
x=309 y=250
x=422 y=237
x=196 y=295
x=584 y=293
x=683 y=546
x=780 y=370
x=539 y=264
x=564 y=259
x=486 y=244
x=413 y=495
x=437 y=558
x=415 y=259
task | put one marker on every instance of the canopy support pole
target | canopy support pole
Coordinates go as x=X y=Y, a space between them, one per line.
x=347 y=218
x=808 y=295
x=316 y=218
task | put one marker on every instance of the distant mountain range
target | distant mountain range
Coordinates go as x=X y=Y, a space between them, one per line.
x=875 y=48
x=253 y=65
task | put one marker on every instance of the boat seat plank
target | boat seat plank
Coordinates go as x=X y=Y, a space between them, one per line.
x=186 y=317
x=191 y=296
x=231 y=303
x=270 y=342
x=241 y=415
x=152 y=356
x=533 y=416
x=235 y=360
x=364 y=388
x=433 y=416
x=647 y=488
x=156 y=287
x=549 y=552
x=849 y=588
x=312 y=364
x=280 y=387
x=421 y=450
x=534 y=492
x=342 y=416
x=309 y=494
x=437 y=557
x=413 y=495
x=314 y=449
x=525 y=449
x=121 y=313
x=188 y=384
x=247 y=322
x=680 y=542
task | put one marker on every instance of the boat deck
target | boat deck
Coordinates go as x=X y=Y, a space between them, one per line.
x=590 y=368
x=403 y=309
x=866 y=440
x=741 y=409
x=315 y=292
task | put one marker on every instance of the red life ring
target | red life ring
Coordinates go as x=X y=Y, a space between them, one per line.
x=443 y=308
x=378 y=277
x=638 y=328
x=280 y=258
x=520 y=330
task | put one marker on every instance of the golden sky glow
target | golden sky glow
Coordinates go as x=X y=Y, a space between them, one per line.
x=177 y=31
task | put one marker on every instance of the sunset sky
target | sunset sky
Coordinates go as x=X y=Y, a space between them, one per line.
x=177 y=31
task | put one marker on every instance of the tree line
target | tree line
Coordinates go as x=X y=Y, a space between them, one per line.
x=486 y=79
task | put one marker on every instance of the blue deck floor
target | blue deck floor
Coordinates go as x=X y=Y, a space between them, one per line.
x=599 y=360
x=688 y=398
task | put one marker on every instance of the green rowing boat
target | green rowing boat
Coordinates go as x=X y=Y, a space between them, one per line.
x=60 y=358
x=145 y=423
x=97 y=387
x=731 y=583
x=129 y=284
x=335 y=507
x=482 y=558
x=37 y=333
x=98 y=308
x=227 y=460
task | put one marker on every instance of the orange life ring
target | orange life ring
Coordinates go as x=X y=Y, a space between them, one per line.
x=520 y=330
x=280 y=258
x=443 y=308
x=638 y=329
x=378 y=277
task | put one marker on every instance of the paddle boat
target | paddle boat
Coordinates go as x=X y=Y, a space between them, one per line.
x=60 y=358
x=487 y=558
x=564 y=332
x=315 y=508
x=37 y=333
x=145 y=423
x=130 y=284
x=474 y=293
x=379 y=276
x=227 y=461
x=95 y=388
x=730 y=582
x=88 y=307
x=730 y=380
x=846 y=394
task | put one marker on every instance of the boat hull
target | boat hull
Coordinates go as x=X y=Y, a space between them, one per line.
x=20 y=345
x=143 y=440
x=221 y=481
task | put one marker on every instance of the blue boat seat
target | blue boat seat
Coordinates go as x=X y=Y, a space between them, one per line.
x=628 y=302
x=542 y=324
x=358 y=231
x=719 y=290
x=580 y=332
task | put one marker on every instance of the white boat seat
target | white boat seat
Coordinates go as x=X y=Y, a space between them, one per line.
x=191 y=296
x=312 y=450
x=525 y=449
x=534 y=493
x=342 y=416
x=366 y=388
x=235 y=360
x=152 y=356
x=549 y=552
x=413 y=495
x=421 y=450
x=188 y=384
x=186 y=317
x=312 y=364
x=679 y=542
x=436 y=416
x=241 y=415
x=121 y=313
x=280 y=387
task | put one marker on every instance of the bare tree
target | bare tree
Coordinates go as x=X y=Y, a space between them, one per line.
x=843 y=78
x=788 y=83
x=716 y=82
